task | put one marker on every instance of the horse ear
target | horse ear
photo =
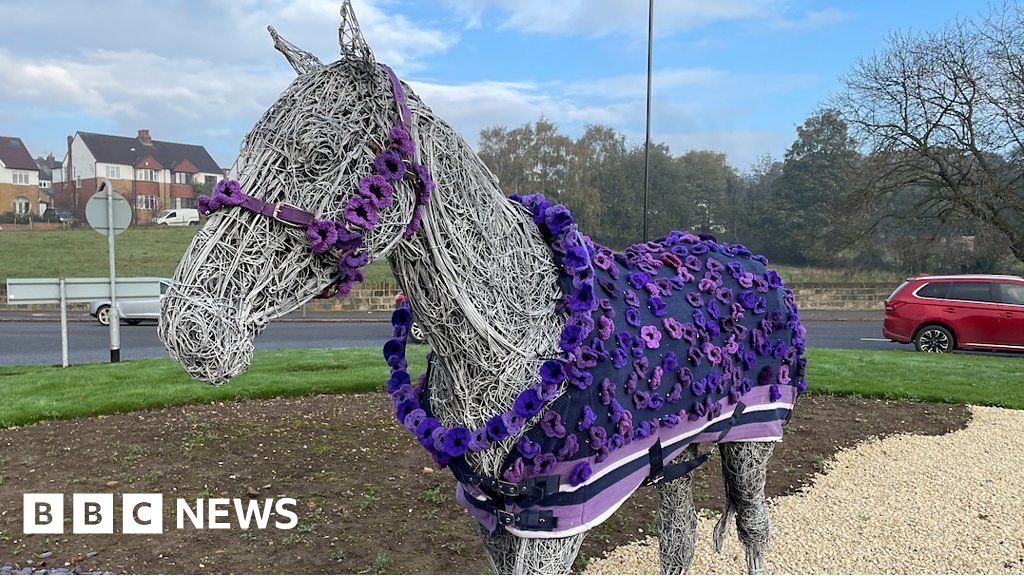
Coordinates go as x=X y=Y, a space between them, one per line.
x=350 y=38
x=301 y=60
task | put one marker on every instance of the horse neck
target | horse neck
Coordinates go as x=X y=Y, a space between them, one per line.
x=483 y=286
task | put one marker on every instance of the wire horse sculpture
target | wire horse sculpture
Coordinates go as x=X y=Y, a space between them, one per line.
x=529 y=378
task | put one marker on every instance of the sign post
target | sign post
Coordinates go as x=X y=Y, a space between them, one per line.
x=110 y=214
x=63 y=323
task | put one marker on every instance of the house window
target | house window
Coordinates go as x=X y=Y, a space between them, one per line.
x=147 y=202
x=211 y=180
x=185 y=203
x=182 y=178
x=20 y=177
x=21 y=205
x=113 y=171
x=147 y=174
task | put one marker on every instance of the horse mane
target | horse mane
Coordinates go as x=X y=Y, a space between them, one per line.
x=482 y=283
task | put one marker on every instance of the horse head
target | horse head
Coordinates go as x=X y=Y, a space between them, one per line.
x=325 y=182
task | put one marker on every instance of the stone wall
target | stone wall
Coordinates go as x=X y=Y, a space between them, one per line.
x=841 y=295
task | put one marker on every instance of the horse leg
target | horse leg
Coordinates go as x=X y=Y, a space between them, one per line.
x=514 y=555
x=744 y=466
x=500 y=549
x=677 y=528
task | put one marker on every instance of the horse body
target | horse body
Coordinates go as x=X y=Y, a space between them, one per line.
x=480 y=277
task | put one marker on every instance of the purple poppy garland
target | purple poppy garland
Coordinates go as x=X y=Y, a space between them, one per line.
x=375 y=192
x=446 y=443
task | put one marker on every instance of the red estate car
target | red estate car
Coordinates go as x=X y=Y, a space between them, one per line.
x=943 y=313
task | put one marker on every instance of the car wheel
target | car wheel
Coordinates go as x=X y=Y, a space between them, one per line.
x=416 y=334
x=103 y=315
x=934 y=339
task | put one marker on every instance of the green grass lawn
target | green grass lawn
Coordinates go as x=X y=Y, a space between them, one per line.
x=32 y=393
x=81 y=252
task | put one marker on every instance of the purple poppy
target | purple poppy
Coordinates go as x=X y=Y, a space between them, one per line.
x=208 y=205
x=401 y=141
x=426 y=182
x=656 y=376
x=651 y=336
x=587 y=419
x=784 y=377
x=746 y=298
x=580 y=379
x=687 y=332
x=496 y=429
x=699 y=319
x=766 y=376
x=515 y=472
x=576 y=258
x=712 y=353
x=376 y=189
x=633 y=317
x=414 y=419
x=552 y=371
x=640 y=366
x=657 y=306
x=569 y=447
x=632 y=299
x=228 y=193
x=602 y=260
x=774 y=394
x=694 y=355
x=551 y=424
x=478 y=441
x=361 y=212
x=558 y=219
x=389 y=165
x=322 y=235
x=580 y=473
x=673 y=327
x=572 y=337
x=605 y=327
x=655 y=402
x=760 y=305
x=527 y=404
x=694 y=299
x=598 y=436
x=528 y=448
x=607 y=392
x=637 y=279
x=712 y=309
x=773 y=279
x=619 y=358
x=425 y=431
x=456 y=441
x=582 y=300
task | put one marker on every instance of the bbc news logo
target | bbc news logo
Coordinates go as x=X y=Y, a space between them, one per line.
x=144 y=513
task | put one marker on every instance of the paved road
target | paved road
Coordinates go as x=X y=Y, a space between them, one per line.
x=25 y=342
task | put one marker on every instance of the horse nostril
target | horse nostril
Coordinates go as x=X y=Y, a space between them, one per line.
x=206 y=337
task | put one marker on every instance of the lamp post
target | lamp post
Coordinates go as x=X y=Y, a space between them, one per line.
x=647 y=139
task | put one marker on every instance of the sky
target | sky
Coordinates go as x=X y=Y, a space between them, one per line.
x=736 y=76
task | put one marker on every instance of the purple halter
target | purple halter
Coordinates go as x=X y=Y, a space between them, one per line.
x=344 y=237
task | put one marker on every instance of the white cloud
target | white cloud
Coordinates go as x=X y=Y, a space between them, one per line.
x=604 y=17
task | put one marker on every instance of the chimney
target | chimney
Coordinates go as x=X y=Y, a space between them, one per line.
x=144 y=137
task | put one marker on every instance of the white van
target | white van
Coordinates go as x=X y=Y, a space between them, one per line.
x=177 y=217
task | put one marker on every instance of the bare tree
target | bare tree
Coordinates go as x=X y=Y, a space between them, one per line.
x=943 y=112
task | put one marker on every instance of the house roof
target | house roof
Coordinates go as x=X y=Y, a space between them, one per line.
x=14 y=154
x=129 y=151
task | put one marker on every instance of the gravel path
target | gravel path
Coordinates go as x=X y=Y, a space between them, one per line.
x=904 y=504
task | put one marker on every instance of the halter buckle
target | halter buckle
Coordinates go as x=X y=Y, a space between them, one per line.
x=276 y=215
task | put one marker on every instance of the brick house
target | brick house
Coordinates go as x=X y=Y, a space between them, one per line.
x=19 y=179
x=152 y=175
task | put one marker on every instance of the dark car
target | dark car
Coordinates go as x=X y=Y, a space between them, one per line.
x=944 y=313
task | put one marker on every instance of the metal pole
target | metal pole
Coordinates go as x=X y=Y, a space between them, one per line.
x=647 y=140
x=115 y=318
x=63 y=324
